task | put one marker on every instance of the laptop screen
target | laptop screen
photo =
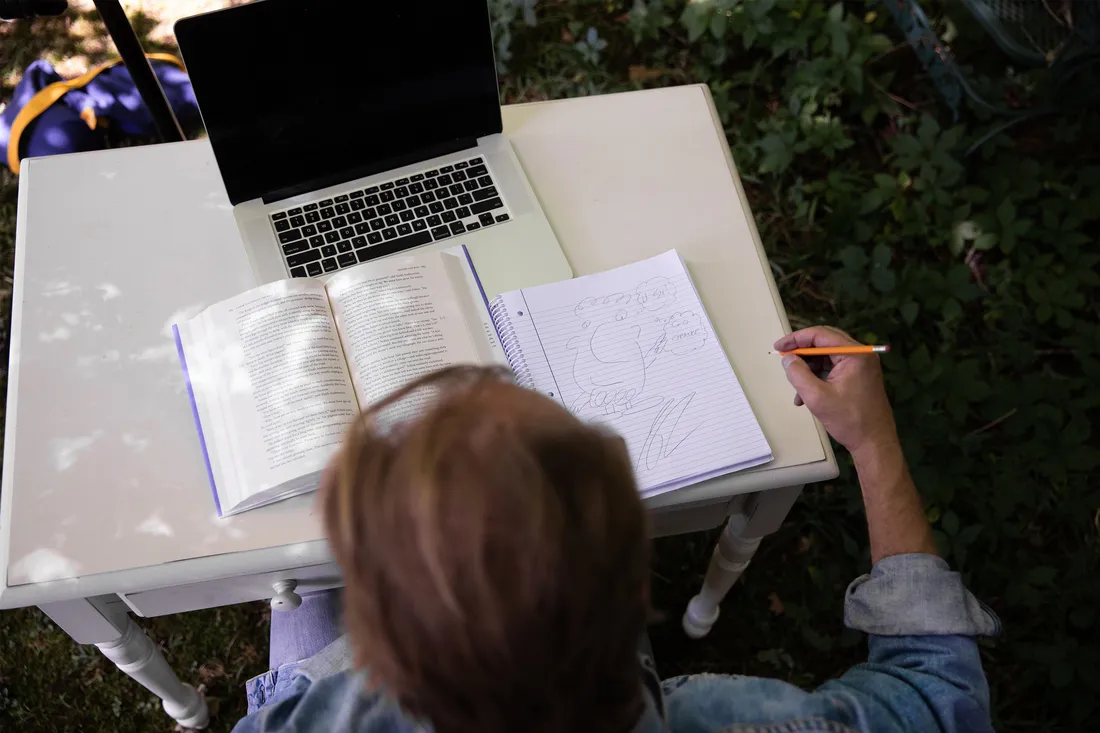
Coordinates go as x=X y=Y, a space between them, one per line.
x=300 y=95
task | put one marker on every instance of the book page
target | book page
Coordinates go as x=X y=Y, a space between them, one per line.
x=272 y=360
x=632 y=348
x=399 y=318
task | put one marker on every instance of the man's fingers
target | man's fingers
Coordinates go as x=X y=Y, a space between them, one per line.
x=808 y=386
x=815 y=336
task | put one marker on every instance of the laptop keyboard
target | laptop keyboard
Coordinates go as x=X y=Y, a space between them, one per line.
x=357 y=226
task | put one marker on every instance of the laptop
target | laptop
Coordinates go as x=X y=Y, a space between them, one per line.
x=345 y=132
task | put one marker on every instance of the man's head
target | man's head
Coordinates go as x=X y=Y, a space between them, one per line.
x=495 y=553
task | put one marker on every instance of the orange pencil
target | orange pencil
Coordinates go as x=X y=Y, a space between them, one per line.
x=837 y=351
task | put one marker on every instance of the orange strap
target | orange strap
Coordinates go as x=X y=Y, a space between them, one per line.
x=45 y=97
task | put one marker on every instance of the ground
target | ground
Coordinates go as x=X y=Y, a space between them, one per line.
x=978 y=267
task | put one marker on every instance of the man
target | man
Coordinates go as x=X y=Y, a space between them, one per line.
x=495 y=555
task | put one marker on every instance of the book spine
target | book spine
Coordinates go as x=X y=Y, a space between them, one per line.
x=510 y=343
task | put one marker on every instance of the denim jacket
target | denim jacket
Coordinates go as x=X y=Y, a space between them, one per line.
x=923 y=673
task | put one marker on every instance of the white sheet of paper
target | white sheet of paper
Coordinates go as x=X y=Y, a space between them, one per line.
x=632 y=348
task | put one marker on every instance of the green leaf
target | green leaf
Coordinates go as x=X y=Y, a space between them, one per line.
x=986 y=240
x=951 y=309
x=853 y=257
x=883 y=280
x=836 y=12
x=909 y=312
x=950 y=523
x=969 y=534
x=1006 y=212
x=881 y=255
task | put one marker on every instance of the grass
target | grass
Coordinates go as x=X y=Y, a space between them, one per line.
x=783 y=620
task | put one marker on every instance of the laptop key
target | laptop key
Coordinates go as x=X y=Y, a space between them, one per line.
x=475 y=161
x=294 y=212
x=390 y=233
x=421 y=211
x=356 y=195
x=342 y=208
x=295 y=247
x=407 y=215
x=459 y=176
x=477 y=171
x=471 y=185
x=387 y=196
x=402 y=181
x=344 y=246
x=330 y=264
x=400 y=205
x=370 y=214
x=364 y=254
x=373 y=200
x=298 y=272
x=486 y=219
x=441 y=233
x=387 y=186
x=456 y=189
x=419 y=225
x=347 y=259
x=347 y=233
x=431 y=184
x=416 y=188
x=417 y=177
x=465 y=199
x=309 y=207
x=280 y=215
x=485 y=193
x=449 y=216
x=485 y=181
x=314 y=269
x=332 y=237
x=341 y=197
x=401 y=192
x=463 y=164
x=502 y=217
x=434 y=220
x=303 y=258
x=358 y=204
x=326 y=202
x=445 y=180
x=329 y=250
x=463 y=212
x=436 y=207
x=318 y=241
x=374 y=237
x=451 y=203
x=405 y=229
x=384 y=209
x=473 y=227
x=309 y=230
x=362 y=228
x=339 y=222
x=328 y=213
x=489 y=205
x=393 y=220
x=359 y=242
x=324 y=226
x=287 y=237
x=355 y=217
x=369 y=191
x=312 y=217
x=282 y=225
x=446 y=169
x=458 y=227
x=377 y=224
x=431 y=174
x=427 y=198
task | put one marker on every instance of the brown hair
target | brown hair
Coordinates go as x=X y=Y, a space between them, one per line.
x=495 y=552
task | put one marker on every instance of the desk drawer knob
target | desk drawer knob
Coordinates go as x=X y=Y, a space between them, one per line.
x=285 y=598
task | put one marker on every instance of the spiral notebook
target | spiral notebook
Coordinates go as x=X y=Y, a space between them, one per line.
x=632 y=348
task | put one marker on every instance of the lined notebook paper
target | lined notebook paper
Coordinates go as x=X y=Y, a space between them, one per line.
x=633 y=348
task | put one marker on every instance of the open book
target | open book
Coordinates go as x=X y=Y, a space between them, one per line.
x=277 y=375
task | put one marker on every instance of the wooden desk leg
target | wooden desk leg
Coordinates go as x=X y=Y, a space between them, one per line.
x=759 y=515
x=104 y=621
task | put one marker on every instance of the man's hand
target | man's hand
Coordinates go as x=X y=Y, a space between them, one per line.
x=851 y=401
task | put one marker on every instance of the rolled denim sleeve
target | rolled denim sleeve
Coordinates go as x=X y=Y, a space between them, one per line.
x=914 y=595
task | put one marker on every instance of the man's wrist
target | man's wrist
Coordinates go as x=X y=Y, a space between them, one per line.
x=875 y=454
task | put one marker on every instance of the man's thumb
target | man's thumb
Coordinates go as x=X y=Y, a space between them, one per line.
x=804 y=381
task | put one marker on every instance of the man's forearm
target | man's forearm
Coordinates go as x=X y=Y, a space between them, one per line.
x=895 y=513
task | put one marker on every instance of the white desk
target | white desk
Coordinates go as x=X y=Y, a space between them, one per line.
x=105 y=505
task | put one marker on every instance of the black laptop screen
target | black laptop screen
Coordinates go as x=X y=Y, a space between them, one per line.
x=298 y=95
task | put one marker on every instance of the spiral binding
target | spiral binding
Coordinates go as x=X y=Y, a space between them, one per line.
x=508 y=340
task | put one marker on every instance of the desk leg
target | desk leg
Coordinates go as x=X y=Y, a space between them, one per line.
x=759 y=515
x=104 y=621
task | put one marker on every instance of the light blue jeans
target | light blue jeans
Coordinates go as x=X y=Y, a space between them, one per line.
x=299 y=634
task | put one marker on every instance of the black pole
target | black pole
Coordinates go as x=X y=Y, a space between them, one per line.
x=133 y=55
